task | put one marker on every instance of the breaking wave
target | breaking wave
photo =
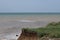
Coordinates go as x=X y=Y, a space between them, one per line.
x=26 y=21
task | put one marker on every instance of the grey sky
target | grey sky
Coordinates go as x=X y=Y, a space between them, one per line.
x=29 y=5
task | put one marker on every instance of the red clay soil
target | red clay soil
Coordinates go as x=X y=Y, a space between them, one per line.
x=27 y=35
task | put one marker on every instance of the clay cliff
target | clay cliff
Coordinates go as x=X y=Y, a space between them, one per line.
x=28 y=35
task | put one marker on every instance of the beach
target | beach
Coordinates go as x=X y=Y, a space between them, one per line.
x=11 y=25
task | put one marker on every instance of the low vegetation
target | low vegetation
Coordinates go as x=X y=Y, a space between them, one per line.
x=52 y=30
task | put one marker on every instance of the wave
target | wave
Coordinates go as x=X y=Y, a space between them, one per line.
x=26 y=21
x=11 y=36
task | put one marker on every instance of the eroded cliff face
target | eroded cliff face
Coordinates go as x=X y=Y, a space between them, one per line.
x=27 y=35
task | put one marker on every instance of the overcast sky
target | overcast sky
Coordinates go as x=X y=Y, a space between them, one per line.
x=29 y=5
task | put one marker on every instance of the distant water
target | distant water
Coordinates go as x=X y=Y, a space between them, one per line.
x=32 y=13
x=12 y=23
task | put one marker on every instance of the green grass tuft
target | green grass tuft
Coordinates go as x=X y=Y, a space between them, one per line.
x=52 y=30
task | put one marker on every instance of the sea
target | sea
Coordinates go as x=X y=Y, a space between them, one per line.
x=11 y=24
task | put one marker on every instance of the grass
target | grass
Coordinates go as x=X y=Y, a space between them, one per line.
x=52 y=30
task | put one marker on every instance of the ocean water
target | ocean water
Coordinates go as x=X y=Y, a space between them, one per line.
x=12 y=23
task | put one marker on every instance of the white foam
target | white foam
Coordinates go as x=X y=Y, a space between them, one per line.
x=11 y=36
x=26 y=21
